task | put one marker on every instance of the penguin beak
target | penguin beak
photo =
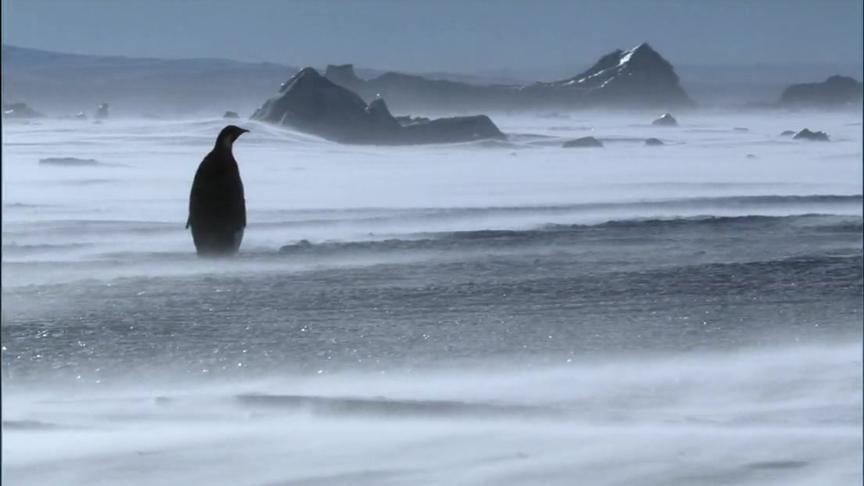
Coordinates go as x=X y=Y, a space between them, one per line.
x=243 y=130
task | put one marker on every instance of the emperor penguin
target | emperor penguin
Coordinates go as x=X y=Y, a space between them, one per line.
x=217 y=206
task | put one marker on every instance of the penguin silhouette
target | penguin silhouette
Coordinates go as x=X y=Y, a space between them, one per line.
x=217 y=207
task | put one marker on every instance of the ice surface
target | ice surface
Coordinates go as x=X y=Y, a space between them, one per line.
x=485 y=313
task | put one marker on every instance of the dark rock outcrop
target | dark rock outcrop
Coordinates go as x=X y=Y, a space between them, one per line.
x=638 y=77
x=787 y=133
x=667 y=120
x=834 y=92
x=19 y=110
x=231 y=115
x=583 y=142
x=454 y=129
x=312 y=103
x=806 y=134
x=380 y=117
x=654 y=142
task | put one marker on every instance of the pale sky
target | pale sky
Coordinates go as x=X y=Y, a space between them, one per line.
x=453 y=35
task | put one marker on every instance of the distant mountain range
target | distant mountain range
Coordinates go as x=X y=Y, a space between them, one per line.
x=64 y=84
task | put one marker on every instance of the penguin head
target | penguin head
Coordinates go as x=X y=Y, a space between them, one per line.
x=228 y=135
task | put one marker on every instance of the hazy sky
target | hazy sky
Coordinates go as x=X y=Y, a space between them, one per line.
x=457 y=35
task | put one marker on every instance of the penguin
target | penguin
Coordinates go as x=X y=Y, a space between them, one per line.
x=217 y=206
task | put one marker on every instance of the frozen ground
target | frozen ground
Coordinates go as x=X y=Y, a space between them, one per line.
x=488 y=313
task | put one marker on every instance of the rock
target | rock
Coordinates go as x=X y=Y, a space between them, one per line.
x=636 y=77
x=654 y=142
x=806 y=134
x=101 y=112
x=19 y=111
x=300 y=246
x=69 y=161
x=231 y=115
x=740 y=129
x=667 y=120
x=453 y=129
x=583 y=142
x=312 y=103
x=380 y=116
x=80 y=116
x=751 y=156
x=787 y=133
x=834 y=92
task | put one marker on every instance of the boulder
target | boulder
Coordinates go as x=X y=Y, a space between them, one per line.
x=653 y=142
x=834 y=92
x=314 y=104
x=787 y=133
x=19 y=110
x=806 y=134
x=667 y=120
x=101 y=112
x=583 y=142
x=231 y=115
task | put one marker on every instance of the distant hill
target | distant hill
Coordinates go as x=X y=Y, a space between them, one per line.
x=68 y=83
x=834 y=92
x=735 y=85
